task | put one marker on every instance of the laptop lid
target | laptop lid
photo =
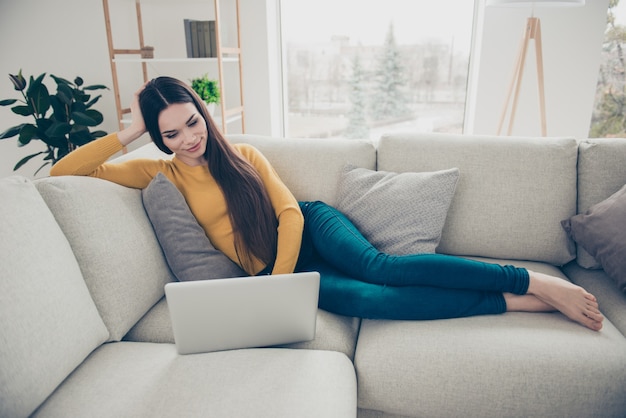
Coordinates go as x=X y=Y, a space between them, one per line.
x=243 y=312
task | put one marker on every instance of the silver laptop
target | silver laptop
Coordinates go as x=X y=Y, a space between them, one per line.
x=243 y=312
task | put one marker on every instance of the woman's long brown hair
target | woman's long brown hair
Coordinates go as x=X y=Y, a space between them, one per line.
x=251 y=213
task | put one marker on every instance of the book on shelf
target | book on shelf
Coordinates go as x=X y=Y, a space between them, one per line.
x=200 y=38
x=188 y=38
x=212 y=39
x=202 y=52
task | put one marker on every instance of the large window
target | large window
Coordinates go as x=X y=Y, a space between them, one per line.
x=609 y=114
x=357 y=68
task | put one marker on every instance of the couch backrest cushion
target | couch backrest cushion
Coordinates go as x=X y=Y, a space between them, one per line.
x=512 y=193
x=114 y=243
x=48 y=321
x=311 y=168
x=601 y=172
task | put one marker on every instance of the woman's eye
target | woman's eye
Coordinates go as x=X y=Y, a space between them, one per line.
x=193 y=122
x=170 y=136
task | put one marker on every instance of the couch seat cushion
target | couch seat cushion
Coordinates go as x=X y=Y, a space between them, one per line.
x=114 y=243
x=48 y=321
x=612 y=302
x=152 y=380
x=509 y=365
x=512 y=365
x=333 y=332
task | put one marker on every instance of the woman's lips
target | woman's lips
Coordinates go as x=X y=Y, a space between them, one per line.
x=195 y=147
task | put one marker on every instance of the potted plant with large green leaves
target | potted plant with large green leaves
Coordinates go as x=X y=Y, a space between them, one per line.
x=208 y=90
x=62 y=121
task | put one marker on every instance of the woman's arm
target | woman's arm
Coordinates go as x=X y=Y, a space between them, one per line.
x=90 y=159
x=137 y=126
x=290 y=219
x=85 y=160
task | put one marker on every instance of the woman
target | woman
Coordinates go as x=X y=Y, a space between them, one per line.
x=251 y=216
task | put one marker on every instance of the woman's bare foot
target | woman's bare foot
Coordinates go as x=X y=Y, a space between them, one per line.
x=571 y=300
x=526 y=303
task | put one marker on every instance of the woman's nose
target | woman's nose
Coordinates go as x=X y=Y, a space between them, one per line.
x=188 y=136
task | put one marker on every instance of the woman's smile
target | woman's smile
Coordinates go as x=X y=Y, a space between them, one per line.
x=195 y=147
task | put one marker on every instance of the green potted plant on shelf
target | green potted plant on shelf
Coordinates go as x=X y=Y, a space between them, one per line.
x=208 y=90
x=62 y=121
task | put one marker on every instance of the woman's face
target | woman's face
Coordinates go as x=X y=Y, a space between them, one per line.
x=184 y=132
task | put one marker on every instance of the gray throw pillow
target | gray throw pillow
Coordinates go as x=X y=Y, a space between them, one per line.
x=600 y=231
x=399 y=213
x=189 y=253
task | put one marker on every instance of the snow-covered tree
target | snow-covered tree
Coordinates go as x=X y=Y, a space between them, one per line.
x=357 y=122
x=609 y=116
x=389 y=98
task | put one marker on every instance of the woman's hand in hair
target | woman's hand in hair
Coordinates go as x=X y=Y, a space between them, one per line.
x=137 y=127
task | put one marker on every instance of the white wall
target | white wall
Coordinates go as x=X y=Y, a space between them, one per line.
x=571 y=39
x=65 y=38
x=262 y=68
x=71 y=40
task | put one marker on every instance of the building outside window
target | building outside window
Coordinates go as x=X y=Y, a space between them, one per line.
x=360 y=68
x=609 y=114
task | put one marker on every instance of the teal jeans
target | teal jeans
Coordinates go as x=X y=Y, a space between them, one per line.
x=358 y=280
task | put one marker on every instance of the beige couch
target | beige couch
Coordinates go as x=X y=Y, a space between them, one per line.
x=85 y=331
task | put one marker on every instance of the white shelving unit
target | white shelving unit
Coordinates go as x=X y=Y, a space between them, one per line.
x=131 y=59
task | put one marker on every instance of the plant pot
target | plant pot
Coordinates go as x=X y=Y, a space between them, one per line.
x=211 y=108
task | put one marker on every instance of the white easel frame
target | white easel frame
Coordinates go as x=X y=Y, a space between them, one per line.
x=531 y=32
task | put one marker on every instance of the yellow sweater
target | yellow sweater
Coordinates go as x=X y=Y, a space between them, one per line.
x=204 y=197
